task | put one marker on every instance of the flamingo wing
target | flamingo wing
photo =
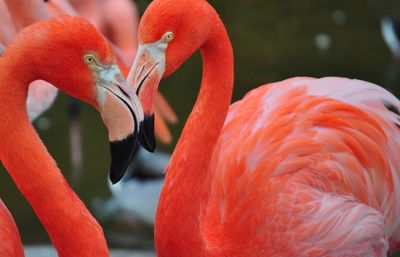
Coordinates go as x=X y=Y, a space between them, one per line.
x=10 y=241
x=315 y=172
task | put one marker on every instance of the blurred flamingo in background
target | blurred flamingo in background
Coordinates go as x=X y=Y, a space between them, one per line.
x=58 y=58
x=301 y=167
x=7 y=29
x=15 y=15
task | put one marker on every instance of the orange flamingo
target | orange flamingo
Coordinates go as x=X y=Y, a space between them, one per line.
x=81 y=63
x=301 y=167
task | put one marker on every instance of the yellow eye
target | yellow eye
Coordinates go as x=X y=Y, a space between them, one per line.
x=168 y=36
x=89 y=59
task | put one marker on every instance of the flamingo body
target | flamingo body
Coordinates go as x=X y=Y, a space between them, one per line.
x=301 y=167
x=315 y=173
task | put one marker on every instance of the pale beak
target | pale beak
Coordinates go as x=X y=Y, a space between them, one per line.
x=122 y=114
x=145 y=76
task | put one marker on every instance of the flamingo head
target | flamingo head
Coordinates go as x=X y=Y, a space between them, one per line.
x=69 y=53
x=169 y=32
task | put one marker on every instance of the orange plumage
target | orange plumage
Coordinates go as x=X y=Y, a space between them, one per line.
x=314 y=172
x=301 y=167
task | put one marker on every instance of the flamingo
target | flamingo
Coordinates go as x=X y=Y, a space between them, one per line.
x=81 y=63
x=42 y=95
x=300 y=167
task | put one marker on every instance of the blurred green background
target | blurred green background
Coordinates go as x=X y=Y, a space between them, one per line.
x=272 y=40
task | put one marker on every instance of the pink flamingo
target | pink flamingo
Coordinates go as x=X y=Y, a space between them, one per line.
x=301 y=167
x=81 y=63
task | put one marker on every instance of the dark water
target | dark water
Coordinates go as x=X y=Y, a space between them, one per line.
x=273 y=40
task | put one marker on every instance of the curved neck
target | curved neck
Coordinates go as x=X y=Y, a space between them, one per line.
x=72 y=229
x=185 y=184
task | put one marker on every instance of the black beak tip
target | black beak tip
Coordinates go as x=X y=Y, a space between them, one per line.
x=114 y=178
x=122 y=152
x=147 y=138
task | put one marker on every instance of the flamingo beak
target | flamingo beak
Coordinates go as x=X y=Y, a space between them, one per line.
x=122 y=114
x=145 y=76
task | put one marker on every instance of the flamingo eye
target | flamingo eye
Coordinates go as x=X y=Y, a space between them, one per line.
x=89 y=59
x=168 y=36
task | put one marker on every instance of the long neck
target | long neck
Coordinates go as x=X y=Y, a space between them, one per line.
x=72 y=229
x=177 y=228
